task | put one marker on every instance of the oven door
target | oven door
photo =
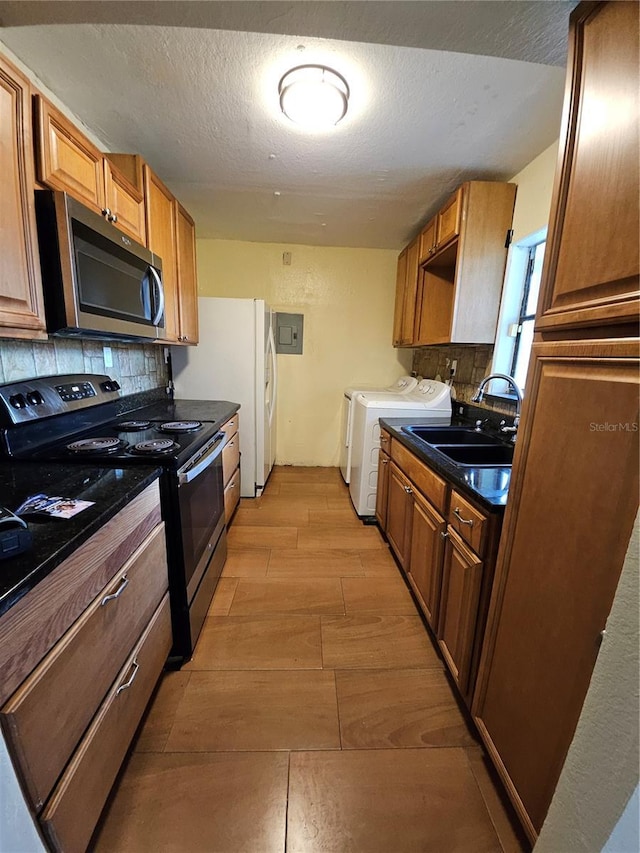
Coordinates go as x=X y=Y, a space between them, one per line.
x=201 y=499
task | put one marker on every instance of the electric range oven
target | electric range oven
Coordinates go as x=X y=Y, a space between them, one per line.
x=83 y=418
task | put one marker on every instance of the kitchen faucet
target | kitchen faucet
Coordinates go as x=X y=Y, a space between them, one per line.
x=477 y=398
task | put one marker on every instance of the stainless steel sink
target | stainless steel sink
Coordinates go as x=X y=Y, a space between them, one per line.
x=449 y=435
x=464 y=447
x=487 y=454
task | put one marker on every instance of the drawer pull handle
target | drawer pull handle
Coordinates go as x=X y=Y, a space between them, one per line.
x=124 y=583
x=462 y=520
x=127 y=684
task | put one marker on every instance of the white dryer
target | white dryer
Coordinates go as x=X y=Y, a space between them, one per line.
x=430 y=399
x=402 y=386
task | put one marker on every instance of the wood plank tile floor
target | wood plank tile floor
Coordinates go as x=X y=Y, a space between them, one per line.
x=316 y=715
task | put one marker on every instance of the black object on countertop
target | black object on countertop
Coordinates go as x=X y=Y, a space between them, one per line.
x=15 y=536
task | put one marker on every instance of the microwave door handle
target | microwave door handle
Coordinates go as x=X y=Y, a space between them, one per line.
x=159 y=289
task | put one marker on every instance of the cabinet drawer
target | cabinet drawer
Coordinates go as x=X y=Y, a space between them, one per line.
x=230 y=457
x=64 y=691
x=30 y=629
x=468 y=522
x=428 y=482
x=231 y=495
x=385 y=441
x=77 y=801
x=231 y=426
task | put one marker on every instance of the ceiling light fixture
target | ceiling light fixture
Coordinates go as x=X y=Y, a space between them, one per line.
x=313 y=96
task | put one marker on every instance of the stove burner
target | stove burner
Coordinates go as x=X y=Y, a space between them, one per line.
x=180 y=426
x=154 y=446
x=97 y=445
x=133 y=426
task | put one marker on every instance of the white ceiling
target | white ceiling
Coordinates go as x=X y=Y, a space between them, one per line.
x=193 y=88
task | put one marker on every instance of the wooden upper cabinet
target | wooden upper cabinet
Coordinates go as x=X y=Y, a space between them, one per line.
x=21 y=304
x=186 y=276
x=401 y=283
x=590 y=274
x=125 y=201
x=460 y=286
x=407 y=278
x=161 y=240
x=428 y=240
x=67 y=160
x=448 y=220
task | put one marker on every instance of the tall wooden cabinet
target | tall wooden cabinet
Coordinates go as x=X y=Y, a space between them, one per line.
x=574 y=488
x=21 y=304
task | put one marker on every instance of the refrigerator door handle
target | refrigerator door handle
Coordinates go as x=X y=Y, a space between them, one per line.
x=271 y=347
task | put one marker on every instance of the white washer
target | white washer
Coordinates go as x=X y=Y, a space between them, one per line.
x=430 y=400
x=403 y=385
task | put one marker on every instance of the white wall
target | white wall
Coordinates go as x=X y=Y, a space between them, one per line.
x=347 y=299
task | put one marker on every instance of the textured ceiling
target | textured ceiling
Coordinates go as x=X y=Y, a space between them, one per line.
x=200 y=103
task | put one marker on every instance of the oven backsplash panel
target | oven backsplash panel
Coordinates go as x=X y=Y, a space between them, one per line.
x=137 y=367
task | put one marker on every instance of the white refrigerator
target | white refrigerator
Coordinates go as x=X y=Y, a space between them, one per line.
x=236 y=360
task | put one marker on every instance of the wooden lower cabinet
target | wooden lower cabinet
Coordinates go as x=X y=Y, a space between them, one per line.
x=231 y=466
x=460 y=598
x=574 y=501
x=425 y=564
x=382 y=489
x=399 y=514
x=71 y=815
x=80 y=655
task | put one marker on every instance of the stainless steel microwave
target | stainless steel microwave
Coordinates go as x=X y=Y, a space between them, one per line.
x=97 y=281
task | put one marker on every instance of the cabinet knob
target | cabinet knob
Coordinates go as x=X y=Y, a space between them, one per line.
x=106 y=212
x=408 y=490
x=113 y=217
x=384 y=461
x=444 y=535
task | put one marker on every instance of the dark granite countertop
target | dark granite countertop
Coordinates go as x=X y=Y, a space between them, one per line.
x=54 y=539
x=488 y=486
x=215 y=411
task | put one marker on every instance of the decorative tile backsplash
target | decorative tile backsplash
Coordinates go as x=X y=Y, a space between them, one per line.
x=137 y=367
x=474 y=363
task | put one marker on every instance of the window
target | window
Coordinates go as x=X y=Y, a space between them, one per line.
x=517 y=311
x=524 y=332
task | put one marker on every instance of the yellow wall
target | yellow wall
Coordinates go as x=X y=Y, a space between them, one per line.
x=533 y=199
x=347 y=298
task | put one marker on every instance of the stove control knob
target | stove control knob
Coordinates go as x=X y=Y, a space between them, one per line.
x=34 y=398
x=110 y=385
x=18 y=401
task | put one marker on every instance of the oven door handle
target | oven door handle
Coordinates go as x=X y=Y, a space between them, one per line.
x=204 y=462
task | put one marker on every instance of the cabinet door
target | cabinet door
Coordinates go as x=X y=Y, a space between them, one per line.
x=425 y=564
x=461 y=582
x=410 y=294
x=382 y=489
x=21 y=305
x=161 y=240
x=572 y=504
x=66 y=159
x=125 y=202
x=399 y=503
x=187 y=277
x=427 y=240
x=448 y=220
x=401 y=283
x=590 y=273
